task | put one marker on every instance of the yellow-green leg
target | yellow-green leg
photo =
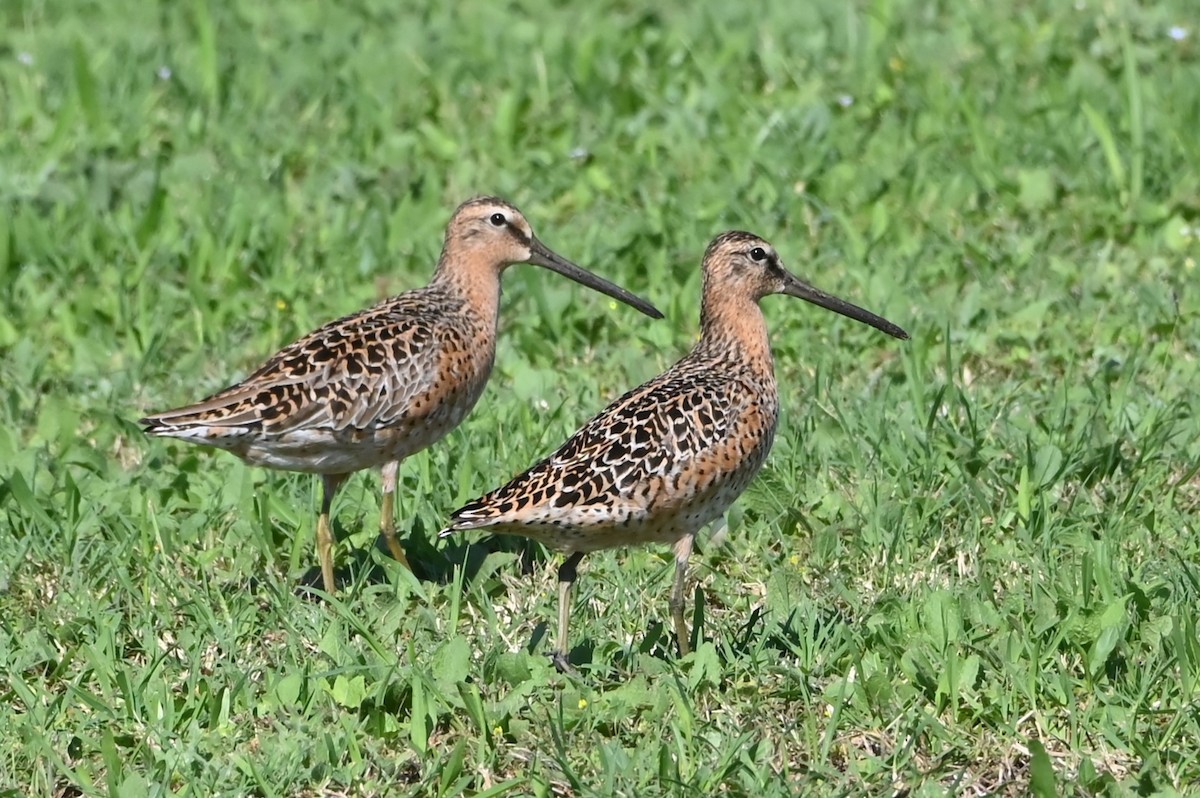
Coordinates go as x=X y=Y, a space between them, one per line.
x=566 y=577
x=325 y=539
x=683 y=550
x=387 y=517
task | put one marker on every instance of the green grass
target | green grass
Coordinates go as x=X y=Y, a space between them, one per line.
x=971 y=564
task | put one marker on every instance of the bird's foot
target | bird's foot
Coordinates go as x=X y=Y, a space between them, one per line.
x=562 y=663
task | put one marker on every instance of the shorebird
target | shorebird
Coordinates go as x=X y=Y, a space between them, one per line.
x=374 y=387
x=671 y=455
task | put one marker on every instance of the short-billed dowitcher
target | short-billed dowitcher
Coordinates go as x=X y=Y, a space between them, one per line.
x=671 y=455
x=374 y=387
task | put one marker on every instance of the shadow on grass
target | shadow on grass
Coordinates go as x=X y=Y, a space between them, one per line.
x=748 y=642
x=436 y=561
x=430 y=562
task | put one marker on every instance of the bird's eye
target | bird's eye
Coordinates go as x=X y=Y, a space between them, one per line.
x=498 y=219
x=758 y=254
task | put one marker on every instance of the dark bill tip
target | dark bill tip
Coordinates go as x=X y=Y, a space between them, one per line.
x=798 y=288
x=541 y=255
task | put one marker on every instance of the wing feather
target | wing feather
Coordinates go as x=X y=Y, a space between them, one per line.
x=648 y=453
x=362 y=371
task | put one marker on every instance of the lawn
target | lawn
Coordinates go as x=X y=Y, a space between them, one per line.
x=970 y=566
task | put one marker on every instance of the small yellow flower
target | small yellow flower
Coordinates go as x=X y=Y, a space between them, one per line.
x=497 y=731
x=280 y=304
x=794 y=559
x=583 y=703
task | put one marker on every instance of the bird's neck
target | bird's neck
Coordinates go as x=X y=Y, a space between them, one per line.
x=475 y=280
x=733 y=325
